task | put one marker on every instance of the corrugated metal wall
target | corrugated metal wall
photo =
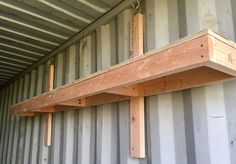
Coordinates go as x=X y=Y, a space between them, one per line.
x=195 y=126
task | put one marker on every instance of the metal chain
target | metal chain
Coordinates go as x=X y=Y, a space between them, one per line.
x=135 y=5
x=52 y=60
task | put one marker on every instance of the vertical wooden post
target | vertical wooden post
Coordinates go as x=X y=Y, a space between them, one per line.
x=48 y=137
x=48 y=123
x=51 y=77
x=136 y=35
x=137 y=127
x=137 y=121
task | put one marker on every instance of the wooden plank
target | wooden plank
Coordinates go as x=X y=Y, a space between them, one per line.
x=137 y=129
x=183 y=80
x=224 y=55
x=74 y=102
x=104 y=98
x=125 y=91
x=29 y=114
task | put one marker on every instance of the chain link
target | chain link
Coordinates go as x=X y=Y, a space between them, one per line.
x=135 y=5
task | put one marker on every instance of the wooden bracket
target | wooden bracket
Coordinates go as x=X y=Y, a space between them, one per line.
x=132 y=91
x=48 y=121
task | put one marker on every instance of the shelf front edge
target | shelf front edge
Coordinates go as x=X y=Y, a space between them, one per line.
x=185 y=55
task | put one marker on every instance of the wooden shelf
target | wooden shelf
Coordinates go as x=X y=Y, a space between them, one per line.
x=193 y=61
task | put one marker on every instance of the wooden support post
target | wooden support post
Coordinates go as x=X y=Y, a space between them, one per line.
x=136 y=36
x=137 y=127
x=137 y=123
x=51 y=77
x=48 y=123
x=48 y=135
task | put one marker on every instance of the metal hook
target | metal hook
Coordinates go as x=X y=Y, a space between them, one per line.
x=136 y=5
x=51 y=60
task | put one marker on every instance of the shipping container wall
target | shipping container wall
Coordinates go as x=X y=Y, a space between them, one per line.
x=194 y=126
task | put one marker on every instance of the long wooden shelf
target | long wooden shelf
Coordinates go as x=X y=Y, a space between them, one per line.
x=193 y=61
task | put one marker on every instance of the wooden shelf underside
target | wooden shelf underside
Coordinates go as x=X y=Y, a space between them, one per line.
x=194 y=61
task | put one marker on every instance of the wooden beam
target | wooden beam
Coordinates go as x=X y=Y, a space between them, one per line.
x=46 y=110
x=191 y=78
x=104 y=98
x=183 y=80
x=156 y=64
x=74 y=102
x=137 y=127
x=166 y=63
x=56 y=108
x=29 y=114
x=132 y=91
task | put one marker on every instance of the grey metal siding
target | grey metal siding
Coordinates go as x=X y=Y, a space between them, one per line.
x=194 y=126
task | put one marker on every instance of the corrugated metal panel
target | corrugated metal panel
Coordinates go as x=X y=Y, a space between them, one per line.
x=191 y=126
x=30 y=29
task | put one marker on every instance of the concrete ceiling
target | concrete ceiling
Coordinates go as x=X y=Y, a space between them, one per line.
x=31 y=29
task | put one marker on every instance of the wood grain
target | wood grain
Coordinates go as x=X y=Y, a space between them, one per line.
x=172 y=68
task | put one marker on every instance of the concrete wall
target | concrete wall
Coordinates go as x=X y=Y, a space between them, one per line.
x=195 y=126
